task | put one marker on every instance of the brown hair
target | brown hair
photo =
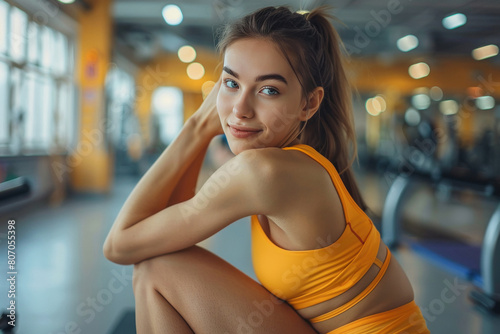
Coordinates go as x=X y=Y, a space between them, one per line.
x=313 y=48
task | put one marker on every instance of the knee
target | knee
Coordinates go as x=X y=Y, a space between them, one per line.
x=145 y=274
x=158 y=270
x=138 y=275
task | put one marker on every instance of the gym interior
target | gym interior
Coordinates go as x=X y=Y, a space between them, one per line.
x=92 y=91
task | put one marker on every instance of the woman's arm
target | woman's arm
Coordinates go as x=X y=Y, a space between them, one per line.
x=172 y=178
x=186 y=187
x=241 y=187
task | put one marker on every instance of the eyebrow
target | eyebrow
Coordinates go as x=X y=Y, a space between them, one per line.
x=272 y=76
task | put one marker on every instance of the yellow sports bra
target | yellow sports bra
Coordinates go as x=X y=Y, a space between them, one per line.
x=309 y=277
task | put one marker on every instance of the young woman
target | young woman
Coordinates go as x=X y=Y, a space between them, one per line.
x=283 y=102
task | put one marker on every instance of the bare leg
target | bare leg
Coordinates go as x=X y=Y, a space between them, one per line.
x=154 y=314
x=195 y=291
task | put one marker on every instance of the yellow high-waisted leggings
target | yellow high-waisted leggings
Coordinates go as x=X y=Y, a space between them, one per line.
x=405 y=319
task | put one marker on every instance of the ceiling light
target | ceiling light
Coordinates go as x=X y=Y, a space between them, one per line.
x=448 y=107
x=379 y=103
x=195 y=71
x=412 y=117
x=421 y=101
x=485 y=102
x=375 y=105
x=407 y=43
x=454 y=21
x=419 y=70
x=436 y=93
x=207 y=87
x=66 y=1
x=186 y=53
x=172 y=14
x=370 y=108
x=485 y=52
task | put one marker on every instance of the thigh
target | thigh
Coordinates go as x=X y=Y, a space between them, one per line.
x=215 y=297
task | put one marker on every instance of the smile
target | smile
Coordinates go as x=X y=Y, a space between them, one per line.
x=242 y=132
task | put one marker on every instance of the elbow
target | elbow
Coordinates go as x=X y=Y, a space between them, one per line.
x=113 y=253
x=107 y=250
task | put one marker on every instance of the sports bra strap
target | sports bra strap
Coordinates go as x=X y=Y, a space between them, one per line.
x=360 y=296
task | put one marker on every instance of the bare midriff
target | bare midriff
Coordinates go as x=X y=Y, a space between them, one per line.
x=393 y=290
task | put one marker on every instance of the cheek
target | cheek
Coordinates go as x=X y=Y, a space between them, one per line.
x=285 y=114
x=278 y=121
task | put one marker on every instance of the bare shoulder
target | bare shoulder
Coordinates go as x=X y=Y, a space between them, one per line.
x=280 y=175
x=274 y=163
x=297 y=193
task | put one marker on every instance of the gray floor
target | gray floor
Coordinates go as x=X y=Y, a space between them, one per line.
x=64 y=284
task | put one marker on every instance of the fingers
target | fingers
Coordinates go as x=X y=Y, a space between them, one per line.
x=207 y=112
x=215 y=88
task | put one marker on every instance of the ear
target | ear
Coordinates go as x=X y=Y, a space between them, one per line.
x=312 y=103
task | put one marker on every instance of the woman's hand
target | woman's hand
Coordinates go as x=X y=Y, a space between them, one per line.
x=206 y=117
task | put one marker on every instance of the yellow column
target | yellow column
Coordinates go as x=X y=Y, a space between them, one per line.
x=93 y=165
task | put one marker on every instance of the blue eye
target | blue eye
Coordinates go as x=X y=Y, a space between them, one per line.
x=230 y=83
x=270 y=91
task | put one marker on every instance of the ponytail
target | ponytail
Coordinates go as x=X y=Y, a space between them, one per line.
x=314 y=51
x=331 y=129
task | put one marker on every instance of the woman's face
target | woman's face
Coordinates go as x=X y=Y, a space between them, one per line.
x=260 y=101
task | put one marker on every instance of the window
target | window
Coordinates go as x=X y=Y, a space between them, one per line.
x=16 y=105
x=4 y=11
x=18 y=30
x=60 y=58
x=34 y=43
x=4 y=116
x=120 y=94
x=168 y=108
x=37 y=108
x=33 y=100
x=47 y=50
x=45 y=127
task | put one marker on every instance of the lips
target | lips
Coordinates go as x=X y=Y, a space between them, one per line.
x=240 y=131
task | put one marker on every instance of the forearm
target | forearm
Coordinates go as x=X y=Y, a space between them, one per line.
x=158 y=187
x=171 y=180
x=186 y=186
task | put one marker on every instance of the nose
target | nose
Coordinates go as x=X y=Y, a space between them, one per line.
x=243 y=108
